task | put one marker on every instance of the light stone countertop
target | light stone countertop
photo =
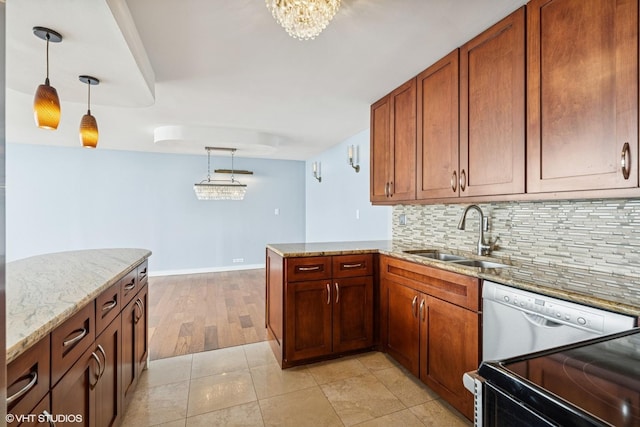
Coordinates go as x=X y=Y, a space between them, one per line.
x=45 y=290
x=571 y=284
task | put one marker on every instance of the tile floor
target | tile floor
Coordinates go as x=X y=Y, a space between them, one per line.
x=244 y=386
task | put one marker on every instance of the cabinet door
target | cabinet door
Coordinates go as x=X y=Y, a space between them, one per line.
x=402 y=123
x=401 y=327
x=380 y=149
x=308 y=319
x=109 y=387
x=141 y=332
x=352 y=313
x=492 y=110
x=437 y=167
x=129 y=375
x=449 y=347
x=582 y=78
x=74 y=393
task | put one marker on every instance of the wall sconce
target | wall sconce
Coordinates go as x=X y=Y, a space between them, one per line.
x=46 y=104
x=317 y=173
x=354 y=157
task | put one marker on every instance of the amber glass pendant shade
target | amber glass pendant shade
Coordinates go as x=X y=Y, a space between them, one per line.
x=89 y=131
x=46 y=107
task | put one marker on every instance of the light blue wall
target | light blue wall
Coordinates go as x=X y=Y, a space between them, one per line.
x=62 y=199
x=332 y=203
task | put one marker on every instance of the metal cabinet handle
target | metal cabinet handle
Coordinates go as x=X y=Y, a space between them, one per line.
x=130 y=286
x=143 y=273
x=625 y=160
x=104 y=356
x=109 y=305
x=315 y=268
x=82 y=332
x=49 y=417
x=24 y=390
x=391 y=189
x=463 y=180
x=386 y=189
x=413 y=306
x=138 y=304
x=422 y=309
x=454 y=181
x=97 y=359
x=328 y=294
x=352 y=265
x=337 y=292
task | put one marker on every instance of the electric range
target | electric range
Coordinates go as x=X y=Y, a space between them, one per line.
x=591 y=383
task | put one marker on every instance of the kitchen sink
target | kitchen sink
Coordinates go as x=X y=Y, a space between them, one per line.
x=479 y=263
x=436 y=254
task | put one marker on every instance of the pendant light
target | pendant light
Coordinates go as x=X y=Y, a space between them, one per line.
x=88 y=124
x=46 y=104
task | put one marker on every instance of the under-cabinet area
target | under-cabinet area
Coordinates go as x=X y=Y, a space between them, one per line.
x=85 y=365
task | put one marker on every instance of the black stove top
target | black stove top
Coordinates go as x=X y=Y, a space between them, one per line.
x=596 y=382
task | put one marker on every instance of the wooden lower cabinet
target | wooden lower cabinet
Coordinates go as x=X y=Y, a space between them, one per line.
x=134 y=342
x=108 y=390
x=435 y=339
x=318 y=307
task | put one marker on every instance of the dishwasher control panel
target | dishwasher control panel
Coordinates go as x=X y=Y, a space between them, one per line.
x=552 y=309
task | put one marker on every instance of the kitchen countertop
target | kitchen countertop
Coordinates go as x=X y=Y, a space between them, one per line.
x=43 y=291
x=556 y=281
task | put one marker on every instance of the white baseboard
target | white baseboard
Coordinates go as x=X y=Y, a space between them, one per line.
x=205 y=270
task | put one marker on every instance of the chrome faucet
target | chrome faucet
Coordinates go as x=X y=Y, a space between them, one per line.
x=483 y=248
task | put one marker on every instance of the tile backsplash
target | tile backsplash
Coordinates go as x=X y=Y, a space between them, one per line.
x=597 y=235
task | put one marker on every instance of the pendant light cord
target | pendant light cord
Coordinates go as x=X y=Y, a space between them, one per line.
x=232 y=153
x=208 y=165
x=47 y=79
x=89 y=97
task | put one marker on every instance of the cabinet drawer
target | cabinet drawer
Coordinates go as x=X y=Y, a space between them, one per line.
x=108 y=307
x=28 y=379
x=352 y=265
x=448 y=286
x=308 y=268
x=130 y=286
x=37 y=417
x=70 y=340
x=143 y=273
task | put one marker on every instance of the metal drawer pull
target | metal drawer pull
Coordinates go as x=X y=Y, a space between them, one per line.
x=337 y=293
x=625 y=160
x=352 y=265
x=139 y=305
x=49 y=417
x=413 y=306
x=143 y=273
x=454 y=181
x=82 y=332
x=104 y=355
x=422 y=309
x=314 y=268
x=386 y=189
x=97 y=359
x=109 y=305
x=130 y=286
x=463 y=180
x=328 y=294
x=391 y=189
x=23 y=390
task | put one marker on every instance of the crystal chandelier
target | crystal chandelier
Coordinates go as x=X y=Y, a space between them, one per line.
x=303 y=19
x=211 y=189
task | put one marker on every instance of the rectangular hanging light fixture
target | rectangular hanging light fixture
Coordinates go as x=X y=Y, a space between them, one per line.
x=221 y=189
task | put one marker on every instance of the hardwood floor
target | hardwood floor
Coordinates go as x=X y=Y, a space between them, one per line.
x=202 y=312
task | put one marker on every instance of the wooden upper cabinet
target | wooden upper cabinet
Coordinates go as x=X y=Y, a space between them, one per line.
x=437 y=129
x=393 y=146
x=582 y=73
x=492 y=110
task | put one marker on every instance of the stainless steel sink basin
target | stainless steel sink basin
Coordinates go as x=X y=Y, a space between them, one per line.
x=479 y=264
x=436 y=254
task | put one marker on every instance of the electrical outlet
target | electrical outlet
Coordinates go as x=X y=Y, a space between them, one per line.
x=238 y=260
x=403 y=219
x=357 y=213
x=276 y=211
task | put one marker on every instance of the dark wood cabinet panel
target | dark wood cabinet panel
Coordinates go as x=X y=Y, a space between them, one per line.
x=352 y=313
x=308 y=319
x=308 y=268
x=108 y=389
x=437 y=133
x=352 y=265
x=582 y=78
x=492 y=110
x=108 y=307
x=393 y=146
x=71 y=339
x=37 y=417
x=134 y=342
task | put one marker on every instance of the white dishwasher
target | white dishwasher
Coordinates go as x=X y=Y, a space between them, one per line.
x=517 y=322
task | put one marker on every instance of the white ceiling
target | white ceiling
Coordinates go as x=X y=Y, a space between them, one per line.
x=202 y=73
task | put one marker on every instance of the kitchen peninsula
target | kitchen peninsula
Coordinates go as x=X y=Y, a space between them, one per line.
x=76 y=332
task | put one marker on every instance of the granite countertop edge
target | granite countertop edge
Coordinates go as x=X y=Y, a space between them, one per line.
x=503 y=276
x=44 y=291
